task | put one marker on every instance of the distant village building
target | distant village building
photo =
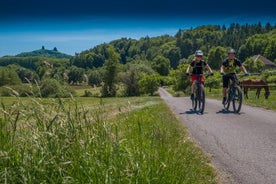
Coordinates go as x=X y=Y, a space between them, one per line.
x=268 y=64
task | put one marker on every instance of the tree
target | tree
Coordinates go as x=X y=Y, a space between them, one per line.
x=242 y=53
x=110 y=67
x=95 y=77
x=130 y=80
x=181 y=81
x=161 y=65
x=55 y=49
x=8 y=77
x=216 y=56
x=27 y=75
x=75 y=75
x=254 y=65
x=149 y=84
x=174 y=56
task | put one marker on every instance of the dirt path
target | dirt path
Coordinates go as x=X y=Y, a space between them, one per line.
x=241 y=145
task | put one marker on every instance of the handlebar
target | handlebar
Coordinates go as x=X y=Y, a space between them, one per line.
x=205 y=75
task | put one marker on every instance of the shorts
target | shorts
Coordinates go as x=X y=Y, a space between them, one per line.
x=226 y=78
x=194 y=77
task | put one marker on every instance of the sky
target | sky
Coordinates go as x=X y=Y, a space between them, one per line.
x=77 y=25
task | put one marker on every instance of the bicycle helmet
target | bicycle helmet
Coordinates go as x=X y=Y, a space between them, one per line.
x=198 y=53
x=231 y=51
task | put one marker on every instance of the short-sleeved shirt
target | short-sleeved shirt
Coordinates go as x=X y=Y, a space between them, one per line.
x=198 y=67
x=230 y=65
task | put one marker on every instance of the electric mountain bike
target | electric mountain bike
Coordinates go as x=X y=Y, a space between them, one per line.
x=198 y=102
x=234 y=95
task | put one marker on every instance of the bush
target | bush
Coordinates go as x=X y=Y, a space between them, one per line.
x=271 y=79
x=20 y=90
x=52 y=88
x=149 y=84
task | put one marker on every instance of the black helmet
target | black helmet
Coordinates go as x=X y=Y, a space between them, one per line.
x=231 y=51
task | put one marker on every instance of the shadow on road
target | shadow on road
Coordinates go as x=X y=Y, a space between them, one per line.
x=191 y=111
x=224 y=111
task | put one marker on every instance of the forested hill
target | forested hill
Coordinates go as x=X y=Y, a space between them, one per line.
x=247 y=39
x=44 y=53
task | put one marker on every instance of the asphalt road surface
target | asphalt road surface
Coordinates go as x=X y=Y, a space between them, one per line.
x=242 y=146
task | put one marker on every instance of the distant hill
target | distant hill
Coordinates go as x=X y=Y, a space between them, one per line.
x=44 y=53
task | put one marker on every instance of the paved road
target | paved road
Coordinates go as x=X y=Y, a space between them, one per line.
x=242 y=146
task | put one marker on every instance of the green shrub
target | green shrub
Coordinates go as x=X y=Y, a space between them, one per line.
x=52 y=88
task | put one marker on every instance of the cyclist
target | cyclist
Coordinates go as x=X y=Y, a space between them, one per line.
x=198 y=67
x=228 y=71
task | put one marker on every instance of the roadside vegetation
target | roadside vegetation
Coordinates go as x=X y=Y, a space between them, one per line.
x=92 y=140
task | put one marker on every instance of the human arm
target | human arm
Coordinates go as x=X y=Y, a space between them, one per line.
x=188 y=69
x=244 y=69
x=209 y=68
x=222 y=69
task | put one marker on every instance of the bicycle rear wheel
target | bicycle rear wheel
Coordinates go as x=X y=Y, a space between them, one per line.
x=237 y=100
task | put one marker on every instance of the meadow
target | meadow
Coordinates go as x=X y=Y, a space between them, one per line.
x=97 y=140
x=252 y=100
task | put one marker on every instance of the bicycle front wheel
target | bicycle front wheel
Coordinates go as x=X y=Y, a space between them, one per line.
x=237 y=100
x=201 y=100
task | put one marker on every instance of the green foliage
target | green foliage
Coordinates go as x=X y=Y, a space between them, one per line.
x=216 y=56
x=79 y=141
x=75 y=75
x=149 y=84
x=253 y=65
x=44 y=53
x=27 y=75
x=271 y=79
x=95 y=77
x=161 y=65
x=8 y=77
x=130 y=80
x=20 y=90
x=110 y=66
x=52 y=88
x=181 y=80
x=213 y=81
x=264 y=44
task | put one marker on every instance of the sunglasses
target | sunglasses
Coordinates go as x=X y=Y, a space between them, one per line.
x=199 y=56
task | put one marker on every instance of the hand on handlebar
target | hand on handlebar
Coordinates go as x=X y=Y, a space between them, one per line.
x=187 y=74
x=222 y=73
x=211 y=74
x=246 y=74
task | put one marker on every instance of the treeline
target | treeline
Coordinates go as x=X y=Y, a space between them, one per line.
x=181 y=46
x=127 y=63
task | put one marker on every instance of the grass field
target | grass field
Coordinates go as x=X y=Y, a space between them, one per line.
x=252 y=100
x=93 y=140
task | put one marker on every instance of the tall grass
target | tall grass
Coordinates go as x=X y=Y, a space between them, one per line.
x=65 y=141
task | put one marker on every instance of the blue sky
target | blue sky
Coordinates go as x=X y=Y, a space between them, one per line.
x=74 y=26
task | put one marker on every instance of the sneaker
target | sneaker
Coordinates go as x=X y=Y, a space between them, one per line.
x=223 y=100
x=192 y=96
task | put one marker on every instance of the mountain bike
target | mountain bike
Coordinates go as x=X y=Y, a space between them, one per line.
x=234 y=95
x=198 y=102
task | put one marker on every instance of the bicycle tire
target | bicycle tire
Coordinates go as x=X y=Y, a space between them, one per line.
x=201 y=100
x=227 y=102
x=237 y=100
x=194 y=103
